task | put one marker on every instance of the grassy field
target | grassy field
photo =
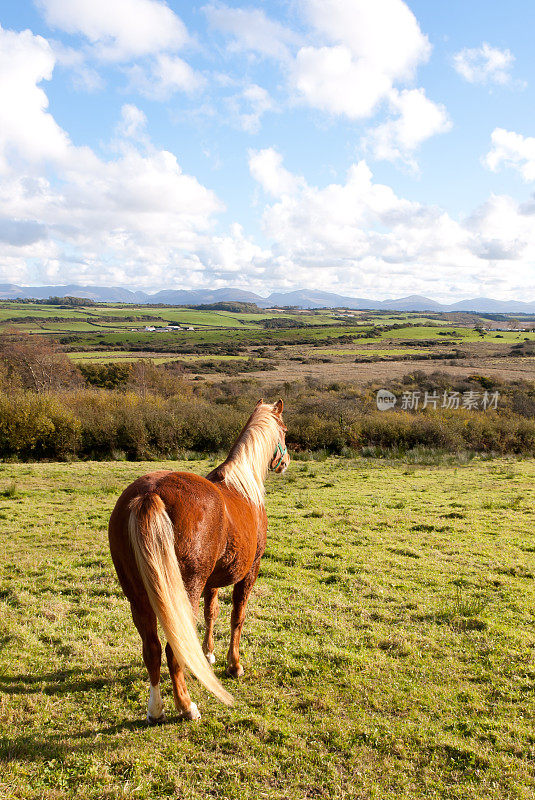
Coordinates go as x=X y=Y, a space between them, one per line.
x=389 y=647
x=111 y=356
x=58 y=319
x=404 y=351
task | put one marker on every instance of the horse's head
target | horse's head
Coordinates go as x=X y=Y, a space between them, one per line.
x=281 y=458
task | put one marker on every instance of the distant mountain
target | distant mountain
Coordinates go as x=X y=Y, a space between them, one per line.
x=312 y=298
x=414 y=302
x=102 y=294
x=188 y=297
x=301 y=298
x=485 y=304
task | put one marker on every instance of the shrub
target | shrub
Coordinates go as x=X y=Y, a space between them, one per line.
x=36 y=426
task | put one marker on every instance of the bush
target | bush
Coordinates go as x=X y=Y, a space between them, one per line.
x=36 y=426
x=161 y=414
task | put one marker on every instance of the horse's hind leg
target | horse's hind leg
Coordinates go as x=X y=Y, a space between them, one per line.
x=240 y=595
x=183 y=704
x=186 y=709
x=145 y=621
x=211 y=612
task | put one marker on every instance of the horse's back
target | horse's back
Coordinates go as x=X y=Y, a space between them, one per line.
x=191 y=501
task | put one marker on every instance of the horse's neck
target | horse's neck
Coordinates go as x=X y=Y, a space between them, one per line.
x=237 y=474
x=218 y=474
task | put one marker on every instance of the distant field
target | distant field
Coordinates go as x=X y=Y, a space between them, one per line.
x=388 y=646
x=457 y=333
x=100 y=357
x=103 y=333
x=370 y=351
x=91 y=316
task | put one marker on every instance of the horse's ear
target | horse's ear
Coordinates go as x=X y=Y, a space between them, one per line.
x=277 y=408
x=260 y=402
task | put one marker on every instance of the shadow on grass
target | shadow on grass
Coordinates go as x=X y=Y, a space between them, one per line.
x=40 y=746
x=63 y=681
x=55 y=746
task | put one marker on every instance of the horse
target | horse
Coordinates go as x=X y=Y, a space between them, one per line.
x=176 y=536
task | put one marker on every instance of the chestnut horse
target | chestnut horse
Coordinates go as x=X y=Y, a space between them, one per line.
x=175 y=536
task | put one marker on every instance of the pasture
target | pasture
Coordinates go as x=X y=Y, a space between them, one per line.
x=389 y=644
x=306 y=344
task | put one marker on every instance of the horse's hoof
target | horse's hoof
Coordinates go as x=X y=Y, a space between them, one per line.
x=210 y=658
x=156 y=720
x=191 y=714
x=235 y=672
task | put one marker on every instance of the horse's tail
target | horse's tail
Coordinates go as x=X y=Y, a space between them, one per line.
x=153 y=542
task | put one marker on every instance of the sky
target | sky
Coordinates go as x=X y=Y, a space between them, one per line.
x=373 y=148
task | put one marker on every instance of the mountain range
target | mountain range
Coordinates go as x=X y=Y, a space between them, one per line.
x=301 y=298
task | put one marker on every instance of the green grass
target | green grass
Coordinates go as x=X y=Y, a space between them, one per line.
x=106 y=325
x=90 y=316
x=342 y=351
x=457 y=333
x=389 y=646
x=169 y=341
x=105 y=357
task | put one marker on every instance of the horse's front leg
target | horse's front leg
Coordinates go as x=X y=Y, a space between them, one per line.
x=240 y=595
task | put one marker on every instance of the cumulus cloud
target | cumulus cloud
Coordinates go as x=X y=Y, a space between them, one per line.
x=136 y=218
x=352 y=61
x=359 y=232
x=27 y=130
x=165 y=75
x=20 y=232
x=122 y=31
x=370 y=47
x=501 y=231
x=484 y=64
x=418 y=118
x=62 y=205
x=266 y=168
x=511 y=149
x=251 y=30
x=132 y=123
x=118 y=30
x=248 y=106
x=84 y=77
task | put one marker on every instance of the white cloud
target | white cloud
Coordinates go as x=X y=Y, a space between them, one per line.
x=248 y=107
x=511 y=149
x=371 y=47
x=27 y=130
x=164 y=76
x=360 y=233
x=251 y=30
x=136 y=218
x=330 y=79
x=385 y=34
x=231 y=255
x=61 y=206
x=502 y=232
x=119 y=30
x=84 y=77
x=354 y=56
x=266 y=168
x=133 y=123
x=418 y=118
x=484 y=64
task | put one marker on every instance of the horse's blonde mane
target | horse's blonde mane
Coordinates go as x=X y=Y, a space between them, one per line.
x=247 y=463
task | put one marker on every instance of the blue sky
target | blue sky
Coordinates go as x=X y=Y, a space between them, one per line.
x=374 y=149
